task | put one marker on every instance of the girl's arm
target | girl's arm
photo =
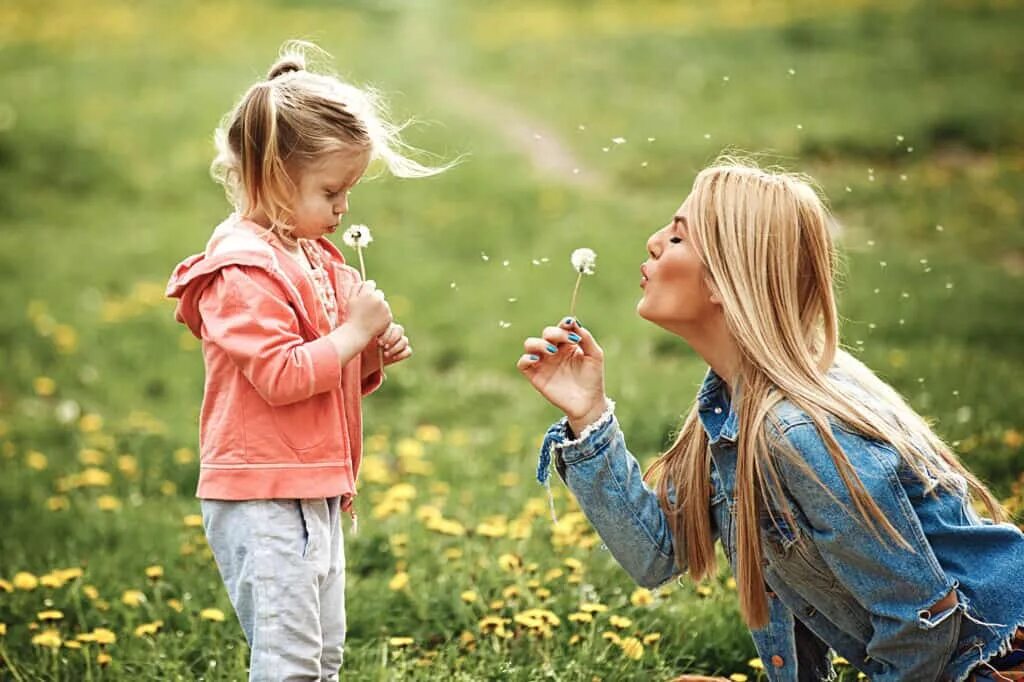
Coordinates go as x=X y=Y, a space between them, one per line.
x=608 y=484
x=245 y=314
x=899 y=585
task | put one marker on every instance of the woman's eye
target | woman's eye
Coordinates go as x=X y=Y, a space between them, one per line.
x=676 y=240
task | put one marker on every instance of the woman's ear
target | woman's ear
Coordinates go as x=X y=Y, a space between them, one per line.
x=713 y=295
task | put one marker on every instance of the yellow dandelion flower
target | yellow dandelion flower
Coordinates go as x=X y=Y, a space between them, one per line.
x=94 y=477
x=44 y=386
x=496 y=604
x=453 y=553
x=51 y=580
x=176 y=605
x=184 y=455
x=510 y=592
x=428 y=433
x=154 y=572
x=67 y=574
x=48 y=638
x=103 y=636
x=612 y=637
x=542 y=593
x=492 y=529
x=620 y=622
x=738 y=677
x=65 y=338
x=193 y=521
x=132 y=598
x=730 y=583
x=399 y=582
x=633 y=648
x=552 y=574
x=1013 y=438
x=25 y=581
x=704 y=590
x=651 y=638
x=6 y=586
x=90 y=423
x=167 y=488
x=52 y=614
x=58 y=503
x=91 y=592
x=148 y=629
x=36 y=460
x=581 y=617
x=641 y=597
x=839 y=660
x=400 y=642
x=575 y=639
x=216 y=615
x=72 y=644
x=91 y=456
x=128 y=465
x=756 y=664
x=108 y=503
x=408 y=448
x=494 y=624
x=510 y=562
x=593 y=607
x=103 y=659
x=469 y=596
x=573 y=564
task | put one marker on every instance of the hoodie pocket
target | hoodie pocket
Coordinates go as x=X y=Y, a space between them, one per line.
x=307 y=423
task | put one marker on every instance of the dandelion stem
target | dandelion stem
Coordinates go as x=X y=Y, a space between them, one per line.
x=362 y=271
x=10 y=665
x=575 y=291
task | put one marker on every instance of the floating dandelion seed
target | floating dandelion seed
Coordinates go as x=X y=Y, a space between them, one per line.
x=584 y=261
x=650 y=139
x=619 y=140
x=484 y=256
x=581 y=127
x=605 y=149
x=792 y=72
x=358 y=237
x=707 y=136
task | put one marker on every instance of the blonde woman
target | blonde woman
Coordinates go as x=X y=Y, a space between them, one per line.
x=847 y=522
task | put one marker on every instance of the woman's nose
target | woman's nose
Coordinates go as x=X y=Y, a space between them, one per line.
x=653 y=247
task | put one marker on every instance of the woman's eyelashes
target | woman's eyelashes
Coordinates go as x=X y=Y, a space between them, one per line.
x=676 y=240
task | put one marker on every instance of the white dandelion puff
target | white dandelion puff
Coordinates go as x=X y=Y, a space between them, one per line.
x=584 y=262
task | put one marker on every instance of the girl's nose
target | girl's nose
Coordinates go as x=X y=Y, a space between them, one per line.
x=653 y=245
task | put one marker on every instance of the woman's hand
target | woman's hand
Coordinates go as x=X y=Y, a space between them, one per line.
x=566 y=366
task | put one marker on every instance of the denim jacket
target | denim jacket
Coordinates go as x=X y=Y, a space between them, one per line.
x=831 y=583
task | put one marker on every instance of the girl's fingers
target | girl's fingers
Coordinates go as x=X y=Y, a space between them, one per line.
x=397 y=347
x=587 y=342
x=405 y=354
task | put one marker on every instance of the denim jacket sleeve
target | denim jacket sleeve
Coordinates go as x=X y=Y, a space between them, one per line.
x=896 y=584
x=608 y=484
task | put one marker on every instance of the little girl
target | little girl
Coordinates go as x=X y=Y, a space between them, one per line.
x=847 y=522
x=292 y=339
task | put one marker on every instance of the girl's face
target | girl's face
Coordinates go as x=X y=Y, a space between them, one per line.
x=676 y=291
x=322 y=192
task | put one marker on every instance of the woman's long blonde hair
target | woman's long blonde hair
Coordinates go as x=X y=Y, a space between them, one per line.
x=764 y=240
x=291 y=119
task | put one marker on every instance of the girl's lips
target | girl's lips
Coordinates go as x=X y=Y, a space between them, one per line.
x=643 y=276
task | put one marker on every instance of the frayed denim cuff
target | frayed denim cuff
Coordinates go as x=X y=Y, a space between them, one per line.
x=560 y=437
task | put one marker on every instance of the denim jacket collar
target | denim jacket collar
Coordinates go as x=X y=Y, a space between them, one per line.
x=715 y=409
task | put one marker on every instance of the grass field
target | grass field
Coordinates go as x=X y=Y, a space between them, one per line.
x=579 y=124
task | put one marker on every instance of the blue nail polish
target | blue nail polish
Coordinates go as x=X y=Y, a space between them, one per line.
x=568 y=320
x=552 y=349
x=575 y=338
x=533 y=357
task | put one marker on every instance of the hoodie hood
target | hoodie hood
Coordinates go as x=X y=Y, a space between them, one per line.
x=235 y=242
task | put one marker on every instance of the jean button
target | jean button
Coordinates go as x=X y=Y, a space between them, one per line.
x=778 y=661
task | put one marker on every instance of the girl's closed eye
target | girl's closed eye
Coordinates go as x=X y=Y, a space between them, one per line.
x=676 y=240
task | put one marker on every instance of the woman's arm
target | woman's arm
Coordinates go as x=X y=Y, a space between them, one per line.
x=608 y=484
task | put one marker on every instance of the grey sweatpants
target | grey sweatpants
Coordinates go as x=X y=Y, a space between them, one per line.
x=283 y=564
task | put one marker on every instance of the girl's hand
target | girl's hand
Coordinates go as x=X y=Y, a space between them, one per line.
x=368 y=310
x=566 y=366
x=395 y=344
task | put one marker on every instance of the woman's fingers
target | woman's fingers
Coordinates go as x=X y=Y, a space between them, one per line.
x=586 y=341
x=540 y=347
x=526 y=361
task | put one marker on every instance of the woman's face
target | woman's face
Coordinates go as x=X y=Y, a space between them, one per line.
x=676 y=292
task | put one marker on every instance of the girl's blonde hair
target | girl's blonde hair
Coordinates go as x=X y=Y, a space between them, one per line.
x=291 y=119
x=764 y=240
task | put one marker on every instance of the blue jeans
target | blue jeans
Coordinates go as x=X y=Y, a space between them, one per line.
x=283 y=564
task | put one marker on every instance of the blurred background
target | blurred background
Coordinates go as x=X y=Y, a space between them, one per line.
x=579 y=123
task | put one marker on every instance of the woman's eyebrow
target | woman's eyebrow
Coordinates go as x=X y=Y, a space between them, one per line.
x=679 y=220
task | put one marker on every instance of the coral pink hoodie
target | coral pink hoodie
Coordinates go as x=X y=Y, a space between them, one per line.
x=281 y=418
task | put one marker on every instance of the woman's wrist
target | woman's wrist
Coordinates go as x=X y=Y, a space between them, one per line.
x=579 y=424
